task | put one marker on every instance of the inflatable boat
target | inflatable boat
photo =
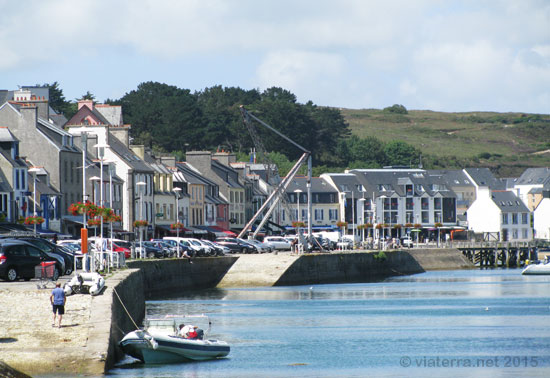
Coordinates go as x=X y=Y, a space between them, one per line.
x=85 y=283
x=159 y=343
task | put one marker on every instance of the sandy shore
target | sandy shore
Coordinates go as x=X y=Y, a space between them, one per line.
x=29 y=343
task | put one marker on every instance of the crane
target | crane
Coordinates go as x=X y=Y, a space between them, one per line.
x=280 y=191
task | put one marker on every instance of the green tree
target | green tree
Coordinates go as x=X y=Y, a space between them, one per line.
x=87 y=96
x=170 y=115
x=57 y=100
x=397 y=109
x=401 y=153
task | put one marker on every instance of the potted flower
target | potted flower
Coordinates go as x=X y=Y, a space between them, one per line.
x=298 y=224
x=417 y=225
x=33 y=220
x=176 y=226
x=408 y=225
x=94 y=222
x=140 y=223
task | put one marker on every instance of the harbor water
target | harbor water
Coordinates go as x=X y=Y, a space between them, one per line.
x=482 y=323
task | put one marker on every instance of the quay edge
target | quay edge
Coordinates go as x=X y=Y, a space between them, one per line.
x=147 y=279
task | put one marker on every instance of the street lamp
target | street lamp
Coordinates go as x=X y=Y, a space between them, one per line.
x=177 y=191
x=142 y=184
x=93 y=179
x=362 y=208
x=298 y=191
x=34 y=170
x=112 y=167
x=101 y=154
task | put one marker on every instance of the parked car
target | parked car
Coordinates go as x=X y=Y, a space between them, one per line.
x=19 y=258
x=198 y=249
x=277 y=242
x=64 y=263
x=169 y=249
x=149 y=250
x=261 y=247
x=407 y=242
x=219 y=249
x=345 y=243
x=237 y=245
x=183 y=246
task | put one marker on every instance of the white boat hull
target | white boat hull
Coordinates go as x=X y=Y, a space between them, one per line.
x=156 y=348
x=537 y=269
x=92 y=283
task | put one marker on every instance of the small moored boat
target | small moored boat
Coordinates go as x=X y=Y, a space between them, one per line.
x=85 y=283
x=159 y=343
x=537 y=269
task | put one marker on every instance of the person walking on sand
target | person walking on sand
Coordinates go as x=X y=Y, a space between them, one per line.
x=58 y=300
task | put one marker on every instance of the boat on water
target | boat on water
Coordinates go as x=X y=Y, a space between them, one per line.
x=537 y=269
x=160 y=343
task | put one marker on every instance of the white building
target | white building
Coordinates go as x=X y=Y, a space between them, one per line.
x=499 y=215
x=541 y=217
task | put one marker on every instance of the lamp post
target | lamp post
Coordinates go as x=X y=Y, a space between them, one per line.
x=177 y=191
x=111 y=165
x=101 y=154
x=34 y=170
x=362 y=208
x=142 y=184
x=353 y=218
x=418 y=231
x=299 y=216
x=93 y=179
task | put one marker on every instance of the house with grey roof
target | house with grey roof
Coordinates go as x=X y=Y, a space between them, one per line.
x=112 y=140
x=27 y=117
x=462 y=186
x=500 y=215
x=14 y=183
x=216 y=167
x=325 y=203
x=528 y=187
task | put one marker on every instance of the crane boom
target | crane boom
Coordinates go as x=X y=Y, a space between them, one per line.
x=280 y=190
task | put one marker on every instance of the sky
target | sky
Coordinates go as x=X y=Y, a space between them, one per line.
x=444 y=55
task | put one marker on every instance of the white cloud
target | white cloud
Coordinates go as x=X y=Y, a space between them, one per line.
x=294 y=69
x=454 y=55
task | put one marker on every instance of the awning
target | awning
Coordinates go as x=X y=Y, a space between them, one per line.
x=212 y=230
x=197 y=231
x=73 y=218
x=166 y=227
x=226 y=232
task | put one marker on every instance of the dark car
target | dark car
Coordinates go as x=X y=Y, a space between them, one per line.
x=150 y=250
x=54 y=250
x=183 y=246
x=237 y=245
x=162 y=245
x=18 y=259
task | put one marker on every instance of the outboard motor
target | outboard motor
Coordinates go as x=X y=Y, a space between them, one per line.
x=200 y=334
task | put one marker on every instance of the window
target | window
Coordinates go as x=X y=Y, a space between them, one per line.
x=333 y=214
x=437 y=203
x=525 y=233
x=524 y=218
x=514 y=218
x=425 y=217
x=409 y=204
x=319 y=214
x=283 y=215
x=425 y=203
x=514 y=233
x=504 y=218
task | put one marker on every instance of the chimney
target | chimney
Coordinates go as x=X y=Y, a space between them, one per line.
x=122 y=134
x=88 y=103
x=226 y=158
x=139 y=150
x=202 y=160
x=169 y=161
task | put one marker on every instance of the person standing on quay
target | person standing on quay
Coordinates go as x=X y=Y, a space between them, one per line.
x=58 y=300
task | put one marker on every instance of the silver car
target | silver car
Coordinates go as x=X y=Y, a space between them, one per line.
x=261 y=247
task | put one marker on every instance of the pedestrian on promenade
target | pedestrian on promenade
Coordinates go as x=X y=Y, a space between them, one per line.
x=58 y=300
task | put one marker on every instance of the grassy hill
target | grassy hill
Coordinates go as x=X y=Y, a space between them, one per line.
x=505 y=142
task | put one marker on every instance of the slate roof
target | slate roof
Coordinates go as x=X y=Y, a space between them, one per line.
x=535 y=176
x=453 y=177
x=508 y=202
x=112 y=113
x=128 y=156
x=484 y=177
x=318 y=185
x=387 y=182
x=231 y=176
